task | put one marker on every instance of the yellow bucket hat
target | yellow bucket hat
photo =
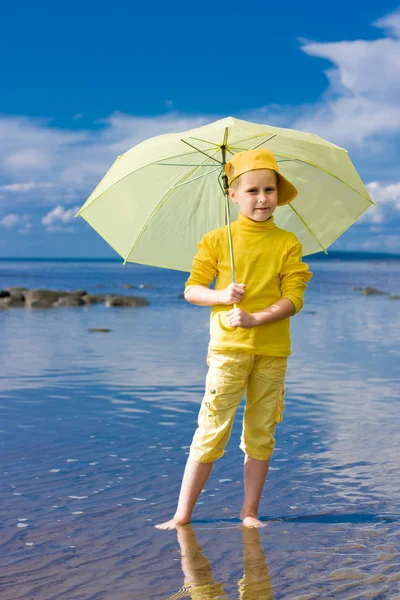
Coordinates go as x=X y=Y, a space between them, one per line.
x=260 y=158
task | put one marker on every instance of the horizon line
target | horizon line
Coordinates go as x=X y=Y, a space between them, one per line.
x=317 y=255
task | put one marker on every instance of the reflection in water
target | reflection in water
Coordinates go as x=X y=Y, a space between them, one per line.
x=199 y=584
x=256 y=582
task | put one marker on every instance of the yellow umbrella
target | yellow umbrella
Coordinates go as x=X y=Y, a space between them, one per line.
x=160 y=197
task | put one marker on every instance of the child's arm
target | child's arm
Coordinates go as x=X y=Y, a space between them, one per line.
x=204 y=269
x=203 y=296
x=282 y=309
x=294 y=275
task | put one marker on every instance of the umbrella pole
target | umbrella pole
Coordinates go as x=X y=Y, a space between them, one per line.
x=227 y=214
x=228 y=223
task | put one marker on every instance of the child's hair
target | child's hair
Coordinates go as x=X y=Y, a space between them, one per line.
x=234 y=183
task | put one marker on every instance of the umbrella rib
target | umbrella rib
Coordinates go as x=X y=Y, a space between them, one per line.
x=111 y=186
x=191 y=173
x=222 y=189
x=309 y=229
x=156 y=208
x=119 y=180
x=205 y=141
x=294 y=158
x=237 y=148
x=261 y=143
x=176 y=185
x=254 y=147
x=205 y=154
x=311 y=164
x=225 y=142
x=260 y=134
x=250 y=138
x=180 y=165
x=306 y=162
x=135 y=243
x=347 y=226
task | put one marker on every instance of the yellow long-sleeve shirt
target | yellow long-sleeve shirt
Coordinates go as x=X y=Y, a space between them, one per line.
x=269 y=261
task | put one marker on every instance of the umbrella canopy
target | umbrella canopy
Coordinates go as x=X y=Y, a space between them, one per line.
x=160 y=197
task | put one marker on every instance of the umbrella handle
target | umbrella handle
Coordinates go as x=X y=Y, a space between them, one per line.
x=227 y=328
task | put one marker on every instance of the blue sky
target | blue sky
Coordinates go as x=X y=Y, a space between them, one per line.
x=84 y=82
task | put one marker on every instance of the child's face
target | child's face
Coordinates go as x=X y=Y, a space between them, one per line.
x=256 y=194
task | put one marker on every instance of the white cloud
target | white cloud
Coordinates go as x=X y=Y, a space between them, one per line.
x=60 y=228
x=390 y=23
x=26 y=228
x=380 y=243
x=26 y=187
x=387 y=198
x=27 y=159
x=58 y=218
x=9 y=221
x=363 y=96
x=387 y=194
x=31 y=150
x=12 y=220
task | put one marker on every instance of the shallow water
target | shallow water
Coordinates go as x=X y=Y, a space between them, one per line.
x=95 y=430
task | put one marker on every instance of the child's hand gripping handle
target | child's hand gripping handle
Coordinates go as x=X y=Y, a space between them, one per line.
x=230 y=295
x=225 y=318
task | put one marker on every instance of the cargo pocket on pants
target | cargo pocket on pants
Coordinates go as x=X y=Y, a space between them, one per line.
x=211 y=394
x=280 y=405
x=219 y=396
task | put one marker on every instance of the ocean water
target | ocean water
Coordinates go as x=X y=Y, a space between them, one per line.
x=95 y=430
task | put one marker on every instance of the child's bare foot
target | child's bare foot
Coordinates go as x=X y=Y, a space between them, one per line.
x=173 y=523
x=253 y=522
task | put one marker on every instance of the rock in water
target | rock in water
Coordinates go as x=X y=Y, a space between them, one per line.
x=41 y=298
x=17 y=298
x=56 y=298
x=5 y=302
x=370 y=291
x=93 y=298
x=70 y=299
x=125 y=301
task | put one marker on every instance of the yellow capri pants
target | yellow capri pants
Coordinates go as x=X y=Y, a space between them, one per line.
x=230 y=374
